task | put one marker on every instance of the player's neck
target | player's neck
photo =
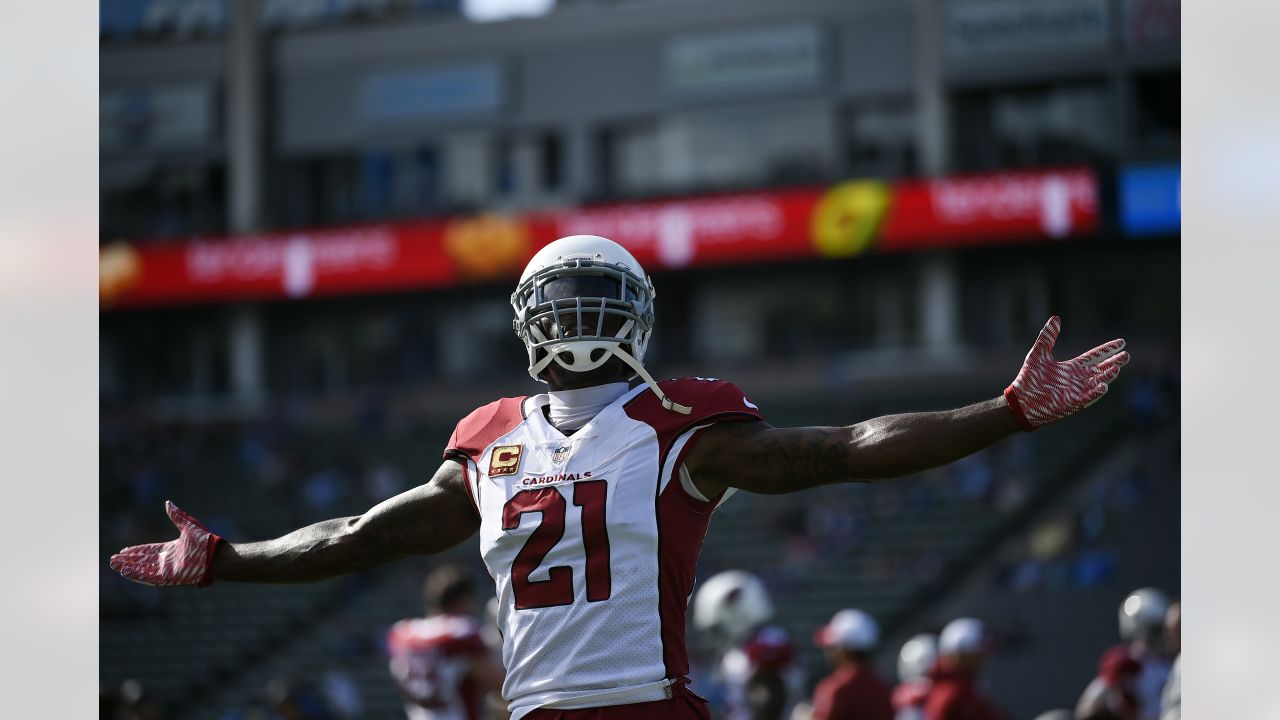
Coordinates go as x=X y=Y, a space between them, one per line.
x=569 y=410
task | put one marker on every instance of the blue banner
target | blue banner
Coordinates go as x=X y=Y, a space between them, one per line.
x=1150 y=200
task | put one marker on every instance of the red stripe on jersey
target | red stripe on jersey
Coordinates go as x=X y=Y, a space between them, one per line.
x=478 y=430
x=681 y=529
x=681 y=522
x=466 y=482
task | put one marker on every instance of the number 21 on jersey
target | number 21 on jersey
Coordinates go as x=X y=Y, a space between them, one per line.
x=557 y=589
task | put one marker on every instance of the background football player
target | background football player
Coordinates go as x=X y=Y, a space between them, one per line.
x=853 y=691
x=440 y=662
x=757 y=670
x=916 y=660
x=955 y=692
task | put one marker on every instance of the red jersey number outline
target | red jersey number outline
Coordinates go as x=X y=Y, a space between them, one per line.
x=557 y=589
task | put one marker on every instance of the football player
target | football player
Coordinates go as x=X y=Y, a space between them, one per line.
x=915 y=661
x=440 y=662
x=1111 y=694
x=954 y=693
x=591 y=500
x=1142 y=677
x=853 y=691
x=757 y=668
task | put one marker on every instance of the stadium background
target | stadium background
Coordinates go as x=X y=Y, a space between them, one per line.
x=313 y=212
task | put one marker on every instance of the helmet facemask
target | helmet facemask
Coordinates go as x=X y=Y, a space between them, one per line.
x=581 y=312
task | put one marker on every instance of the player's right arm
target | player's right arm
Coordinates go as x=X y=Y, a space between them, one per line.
x=425 y=520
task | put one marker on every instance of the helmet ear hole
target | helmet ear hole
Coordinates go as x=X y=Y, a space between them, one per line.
x=597 y=354
x=565 y=358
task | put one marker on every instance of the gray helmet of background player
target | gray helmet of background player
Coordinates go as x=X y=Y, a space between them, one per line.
x=963 y=645
x=917 y=656
x=1142 y=618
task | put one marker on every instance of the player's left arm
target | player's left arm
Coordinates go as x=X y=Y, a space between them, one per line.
x=760 y=458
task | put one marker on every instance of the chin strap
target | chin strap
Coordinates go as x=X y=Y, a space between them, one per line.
x=667 y=402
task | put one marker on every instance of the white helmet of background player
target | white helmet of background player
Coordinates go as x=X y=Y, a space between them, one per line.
x=963 y=637
x=1142 y=615
x=730 y=605
x=591 y=284
x=849 y=629
x=917 y=656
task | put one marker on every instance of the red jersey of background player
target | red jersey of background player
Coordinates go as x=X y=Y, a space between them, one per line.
x=908 y=699
x=760 y=676
x=1112 y=694
x=954 y=696
x=852 y=692
x=431 y=661
x=954 y=693
x=440 y=662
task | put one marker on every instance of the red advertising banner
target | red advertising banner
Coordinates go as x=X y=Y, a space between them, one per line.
x=839 y=221
x=990 y=209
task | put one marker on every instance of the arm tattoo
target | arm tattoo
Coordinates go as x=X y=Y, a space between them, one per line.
x=754 y=456
x=427 y=519
x=788 y=459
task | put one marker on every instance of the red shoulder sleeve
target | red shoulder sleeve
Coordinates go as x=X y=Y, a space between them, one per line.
x=824 y=700
x=712 y=400
x=940 y=702
x=484 y=425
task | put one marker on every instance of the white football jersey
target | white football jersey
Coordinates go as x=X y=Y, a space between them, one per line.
x=592 y=540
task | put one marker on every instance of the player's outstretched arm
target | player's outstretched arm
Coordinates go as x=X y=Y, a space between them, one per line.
x=757 y=457
x=427 y=519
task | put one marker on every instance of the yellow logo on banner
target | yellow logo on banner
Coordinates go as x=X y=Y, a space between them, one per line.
x=119 y=269
x=847 y=218
x=486 y=246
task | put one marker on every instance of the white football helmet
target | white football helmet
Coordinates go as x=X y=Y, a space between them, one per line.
x=1142 y=615
x=917 y=656
x=963 y=636
x=850 y=629
x=731 y=604
x=620 y=289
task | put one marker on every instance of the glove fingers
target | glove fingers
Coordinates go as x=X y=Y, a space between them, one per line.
x=1096 y=393
x=175 y=513
x=141 y=574
x=1108 y=369
x=1100 y=353
x=136 y=553
x=137 y=564
x=137 y=560
x=1049 y=335
x=180 y=518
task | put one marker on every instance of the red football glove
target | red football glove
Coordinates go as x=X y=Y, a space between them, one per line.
x=185 y=561
x=1046 y=390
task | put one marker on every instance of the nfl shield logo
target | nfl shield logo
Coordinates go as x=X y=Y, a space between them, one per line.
x=560 y=455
